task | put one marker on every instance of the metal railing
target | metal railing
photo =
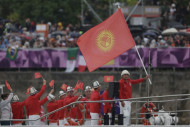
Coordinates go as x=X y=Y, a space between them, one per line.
x=137 y=111
x=133 y=100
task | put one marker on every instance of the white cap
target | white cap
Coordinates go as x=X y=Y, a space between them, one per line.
x=50 y=97
x=33 y=91
x=96 y=84
x=61 y=93
x=88 y=88
x=15 y=98
x=69 y=88
x=125 y=72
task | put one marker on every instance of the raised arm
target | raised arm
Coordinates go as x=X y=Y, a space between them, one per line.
x=70 y=100
x=140 y=80
x=8 y=100
x=43 y=101
x=38 y=95
x=137 y=81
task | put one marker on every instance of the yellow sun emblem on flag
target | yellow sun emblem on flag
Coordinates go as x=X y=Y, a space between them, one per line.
x=105 y=40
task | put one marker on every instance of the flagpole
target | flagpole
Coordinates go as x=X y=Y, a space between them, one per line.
x=142 y=64
x=134 y=8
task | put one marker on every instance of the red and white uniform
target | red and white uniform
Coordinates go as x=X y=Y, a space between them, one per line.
x=87 y=108
x=107 y=106
x=60 y=113
x=42 y=102
x=33 y=108
x=125 y=87
x=95 y=107
x=125 y=92
x=18 y=113
x=73 y=111
x=53 y=118
x=87 y=111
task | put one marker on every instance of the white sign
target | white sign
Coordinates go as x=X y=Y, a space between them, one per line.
x=1 y=88
x=41 y=27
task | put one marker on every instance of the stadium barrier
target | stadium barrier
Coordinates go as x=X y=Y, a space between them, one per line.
x=56 y=58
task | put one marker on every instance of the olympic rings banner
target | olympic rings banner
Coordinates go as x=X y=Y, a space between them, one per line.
x=57 y=58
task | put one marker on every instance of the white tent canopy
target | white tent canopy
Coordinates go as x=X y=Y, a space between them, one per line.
x=169 y=31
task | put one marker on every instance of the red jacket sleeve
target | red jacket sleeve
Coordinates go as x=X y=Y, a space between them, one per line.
x=38 y=95
x=104 y=96
x=43 y=101
x=137 y=81
x=70 y=100
x=95 y=97
x=22 y=103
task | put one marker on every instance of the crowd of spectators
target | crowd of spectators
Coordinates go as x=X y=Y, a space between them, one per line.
x=27 y=37
x=16 y=35
x=163 y=41
x=172 y=15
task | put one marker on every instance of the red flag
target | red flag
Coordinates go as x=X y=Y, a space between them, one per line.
x=7 y=85
x=108 y=78
x=38 y=75
x=64 y=87
x=79 y=85
x=28 y=90
x=81 y=63
x=51 y=83
x=106 y=41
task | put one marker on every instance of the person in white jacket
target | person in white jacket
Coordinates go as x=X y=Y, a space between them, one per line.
x=6 y=110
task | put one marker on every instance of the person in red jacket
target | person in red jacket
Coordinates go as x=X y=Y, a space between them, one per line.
x=17 y=110
x=61 y=103
x=95 y=107
x=42 y=102
x=70 y=98
x=107 y=105
x=51 y=106
x=125 y=92
x=32 y=104
x=88 y=91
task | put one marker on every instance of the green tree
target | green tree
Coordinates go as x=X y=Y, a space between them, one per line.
x=66 y=11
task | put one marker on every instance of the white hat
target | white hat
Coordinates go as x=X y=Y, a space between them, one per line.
x=69 y=88
x=88 y=88
x=125 y=72
x=61 y=93
x=15 y=98
x=33 y=91
x=50 y=97
x=96 y=84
